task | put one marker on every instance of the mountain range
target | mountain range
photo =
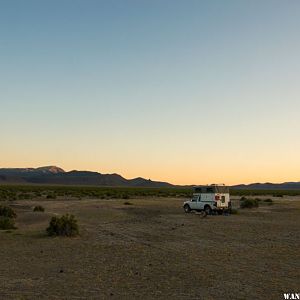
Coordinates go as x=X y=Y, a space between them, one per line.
x=55 y=175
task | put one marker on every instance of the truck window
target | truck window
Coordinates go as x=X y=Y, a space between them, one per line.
x=195 y=198
x=198 y=190
x=209 y=190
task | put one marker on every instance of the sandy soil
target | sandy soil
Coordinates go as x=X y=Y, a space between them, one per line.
x=151 y=250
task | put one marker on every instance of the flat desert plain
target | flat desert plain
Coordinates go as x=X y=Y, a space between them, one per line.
x=151 y=250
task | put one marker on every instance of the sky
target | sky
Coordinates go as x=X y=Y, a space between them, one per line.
x=189 y=92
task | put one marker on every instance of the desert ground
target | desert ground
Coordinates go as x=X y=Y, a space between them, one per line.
x=151 y=249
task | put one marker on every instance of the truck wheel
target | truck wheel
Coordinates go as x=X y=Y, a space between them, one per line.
x=187 y=208
x=207 y=209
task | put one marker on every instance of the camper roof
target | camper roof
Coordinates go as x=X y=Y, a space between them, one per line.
x=214 y=188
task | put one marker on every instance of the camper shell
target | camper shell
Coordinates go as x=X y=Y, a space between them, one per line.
x=209 y=198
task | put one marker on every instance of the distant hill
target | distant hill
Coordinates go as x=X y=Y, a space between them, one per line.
x=56 y=175
x=269 y=186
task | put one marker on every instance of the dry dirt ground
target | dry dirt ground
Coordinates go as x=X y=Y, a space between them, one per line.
x=151 y=250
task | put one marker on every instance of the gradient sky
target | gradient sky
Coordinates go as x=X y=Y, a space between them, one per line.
x=190 y=92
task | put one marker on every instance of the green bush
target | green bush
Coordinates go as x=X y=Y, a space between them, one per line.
x=6 y=211
x=39 y=208
x=7 y=223
x=127 y=203
x=125 y=196
x=234 y=211
x=63 y=226
x=51 y=196
x=248 y=203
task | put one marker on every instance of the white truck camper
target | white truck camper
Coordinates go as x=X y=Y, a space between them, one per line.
x=210 y=199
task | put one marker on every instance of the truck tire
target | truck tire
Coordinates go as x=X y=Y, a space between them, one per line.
x=187 y=208
x=207 y=209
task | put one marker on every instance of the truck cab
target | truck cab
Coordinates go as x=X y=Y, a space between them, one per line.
x=210 y=198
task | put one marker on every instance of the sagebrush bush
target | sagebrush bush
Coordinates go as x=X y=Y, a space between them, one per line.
x=7 y=223
x=39 y=208
x=65 y=225
x=248 y=203
x=269 y=201
x=6 y=211
x=24 y=196
x=234 y=211
x=127 y=203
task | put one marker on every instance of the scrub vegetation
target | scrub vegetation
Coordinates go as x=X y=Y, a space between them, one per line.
x=7 y=216
x=27 y=192
x=39 y=208
x=6 y=211
x=7 y=223
x=248 y=203
x=65 y=225
x=150 y=249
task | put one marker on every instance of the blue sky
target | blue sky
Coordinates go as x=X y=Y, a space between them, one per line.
x=183 y=91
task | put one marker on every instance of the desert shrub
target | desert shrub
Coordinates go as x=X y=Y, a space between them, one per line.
x=278 y=195
x=39 y=208
x=65 y=225
x=24 y=196
x=269 y=201
x=234 y=211
x=7 y=223
x=125 y=196
x=127 y=203
x=51 y=196
x=6 y=211
x=249 y=203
